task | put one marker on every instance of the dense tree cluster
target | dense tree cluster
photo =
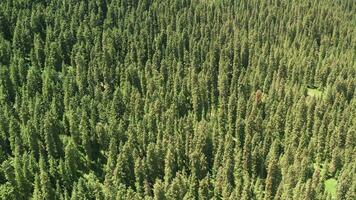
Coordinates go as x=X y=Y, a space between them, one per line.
x=177 y=99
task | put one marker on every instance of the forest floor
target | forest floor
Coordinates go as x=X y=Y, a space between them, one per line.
x=330 y=186
x=315 y=93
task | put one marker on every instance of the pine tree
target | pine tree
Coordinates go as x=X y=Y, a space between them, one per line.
x=124 y=170
x=170 y=167
x=158 y=190
x=204 y=188
x=272 y=180
x=46 y=187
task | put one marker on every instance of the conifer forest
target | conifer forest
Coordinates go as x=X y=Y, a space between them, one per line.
x=177 y=99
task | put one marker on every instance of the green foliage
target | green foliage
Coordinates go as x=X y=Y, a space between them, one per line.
x=177 y=99
x=331 y=186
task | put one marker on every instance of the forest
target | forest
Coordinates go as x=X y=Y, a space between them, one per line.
x=177 y=99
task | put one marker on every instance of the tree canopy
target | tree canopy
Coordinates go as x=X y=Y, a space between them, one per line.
x=177 y=99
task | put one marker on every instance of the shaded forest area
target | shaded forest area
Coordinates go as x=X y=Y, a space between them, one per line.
x=177 y=99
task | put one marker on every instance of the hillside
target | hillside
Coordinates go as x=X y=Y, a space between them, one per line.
x=177 y=99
